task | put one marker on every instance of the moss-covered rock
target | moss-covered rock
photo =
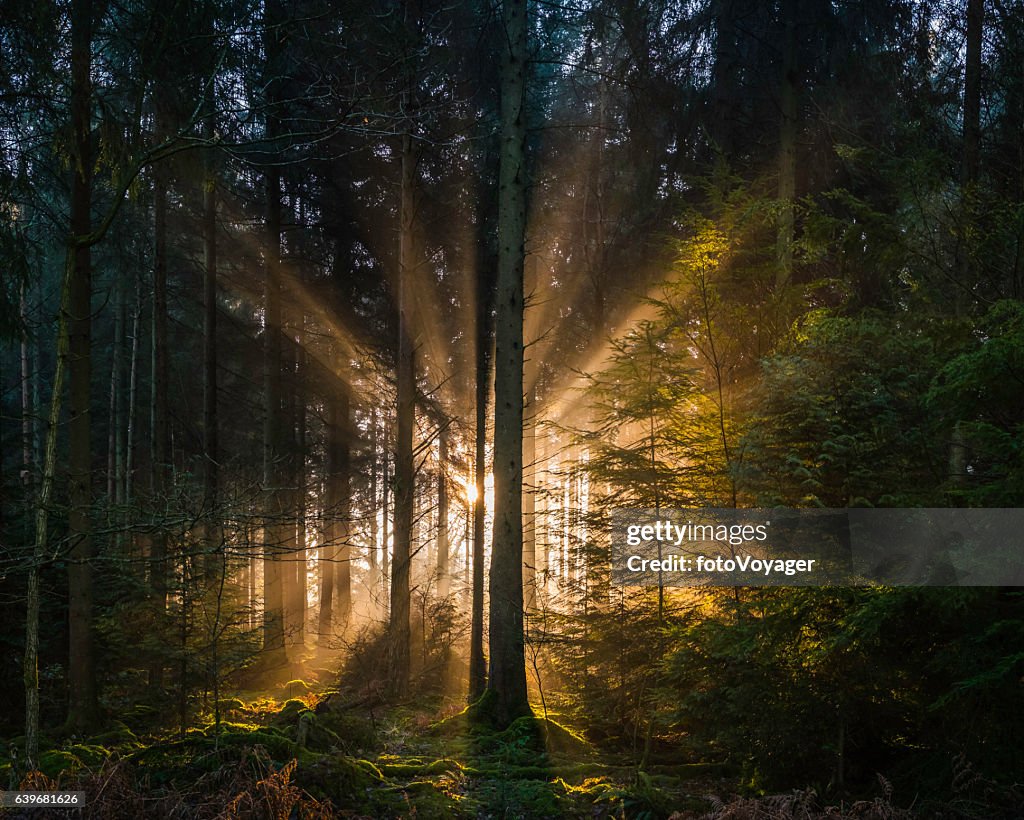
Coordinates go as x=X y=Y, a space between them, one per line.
x=231 y=705
x=290 y=711
x=345 y=781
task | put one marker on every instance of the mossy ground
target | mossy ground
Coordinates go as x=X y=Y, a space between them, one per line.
x=399 y=761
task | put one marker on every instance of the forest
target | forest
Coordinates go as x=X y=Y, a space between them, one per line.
x=333 y=334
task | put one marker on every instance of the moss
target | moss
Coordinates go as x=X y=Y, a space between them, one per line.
x=311 y=733
x=212 y=729
x=417 y=768
x=91 y=756
x=345 y=781
x=231 y=705
x=525 y=798
x=200 y=752
x=118 y=736
x=356 y=732
x=295 y=688
x=290 y=711
x=142 y=717
x=278 y=746
x=54 y=761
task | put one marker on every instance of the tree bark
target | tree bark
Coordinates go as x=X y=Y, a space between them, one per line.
x=477 y=660
x=443 y=580
x=160 y=445
x=211 y=446
x=30 y=666
x=404 y=467
x=343 y=504
x=81 y=672
x=274 y=473
x=507 y=678
x=530 y=508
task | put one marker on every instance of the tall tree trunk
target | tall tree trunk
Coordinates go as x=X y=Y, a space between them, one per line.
x=385 y=518
x=374 y=526
x=160 y=444
x=477 y=660
x=30 y=665
x=443 y=580
x=115 y=424
x=81 y=671
x=301 y=593
x=507 y=678
x=275 y=529
x=211 y=446
x=334 y=580
x=343 y=568
x=959 y=452
x=133 y=391
x=530 y=507
x=724 y=97
x=398 y=622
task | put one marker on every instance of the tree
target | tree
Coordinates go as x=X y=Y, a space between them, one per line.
x=507 y=678
x=82 y=703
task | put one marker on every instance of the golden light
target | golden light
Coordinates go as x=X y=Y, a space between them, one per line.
x=471 y=493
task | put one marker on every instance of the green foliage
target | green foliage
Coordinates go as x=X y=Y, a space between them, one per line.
x=983 y=389
x=841 y=417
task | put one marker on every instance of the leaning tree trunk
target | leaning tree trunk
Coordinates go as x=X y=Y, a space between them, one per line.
x=507 y=678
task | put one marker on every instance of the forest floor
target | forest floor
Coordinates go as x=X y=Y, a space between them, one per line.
x=304 y=751
x=309 y=752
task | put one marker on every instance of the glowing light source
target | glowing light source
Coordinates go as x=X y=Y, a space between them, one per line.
x=471 y=493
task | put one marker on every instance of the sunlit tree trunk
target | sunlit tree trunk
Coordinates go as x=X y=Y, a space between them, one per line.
x=398 y=623
x=507 y=676
x=371 y=554
x=342 y=503
x=81 y=671
x=443 y=580
x=385 y=522
x=530 y=507
x=334 y=580
x=477 y=661
x=300 y=487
